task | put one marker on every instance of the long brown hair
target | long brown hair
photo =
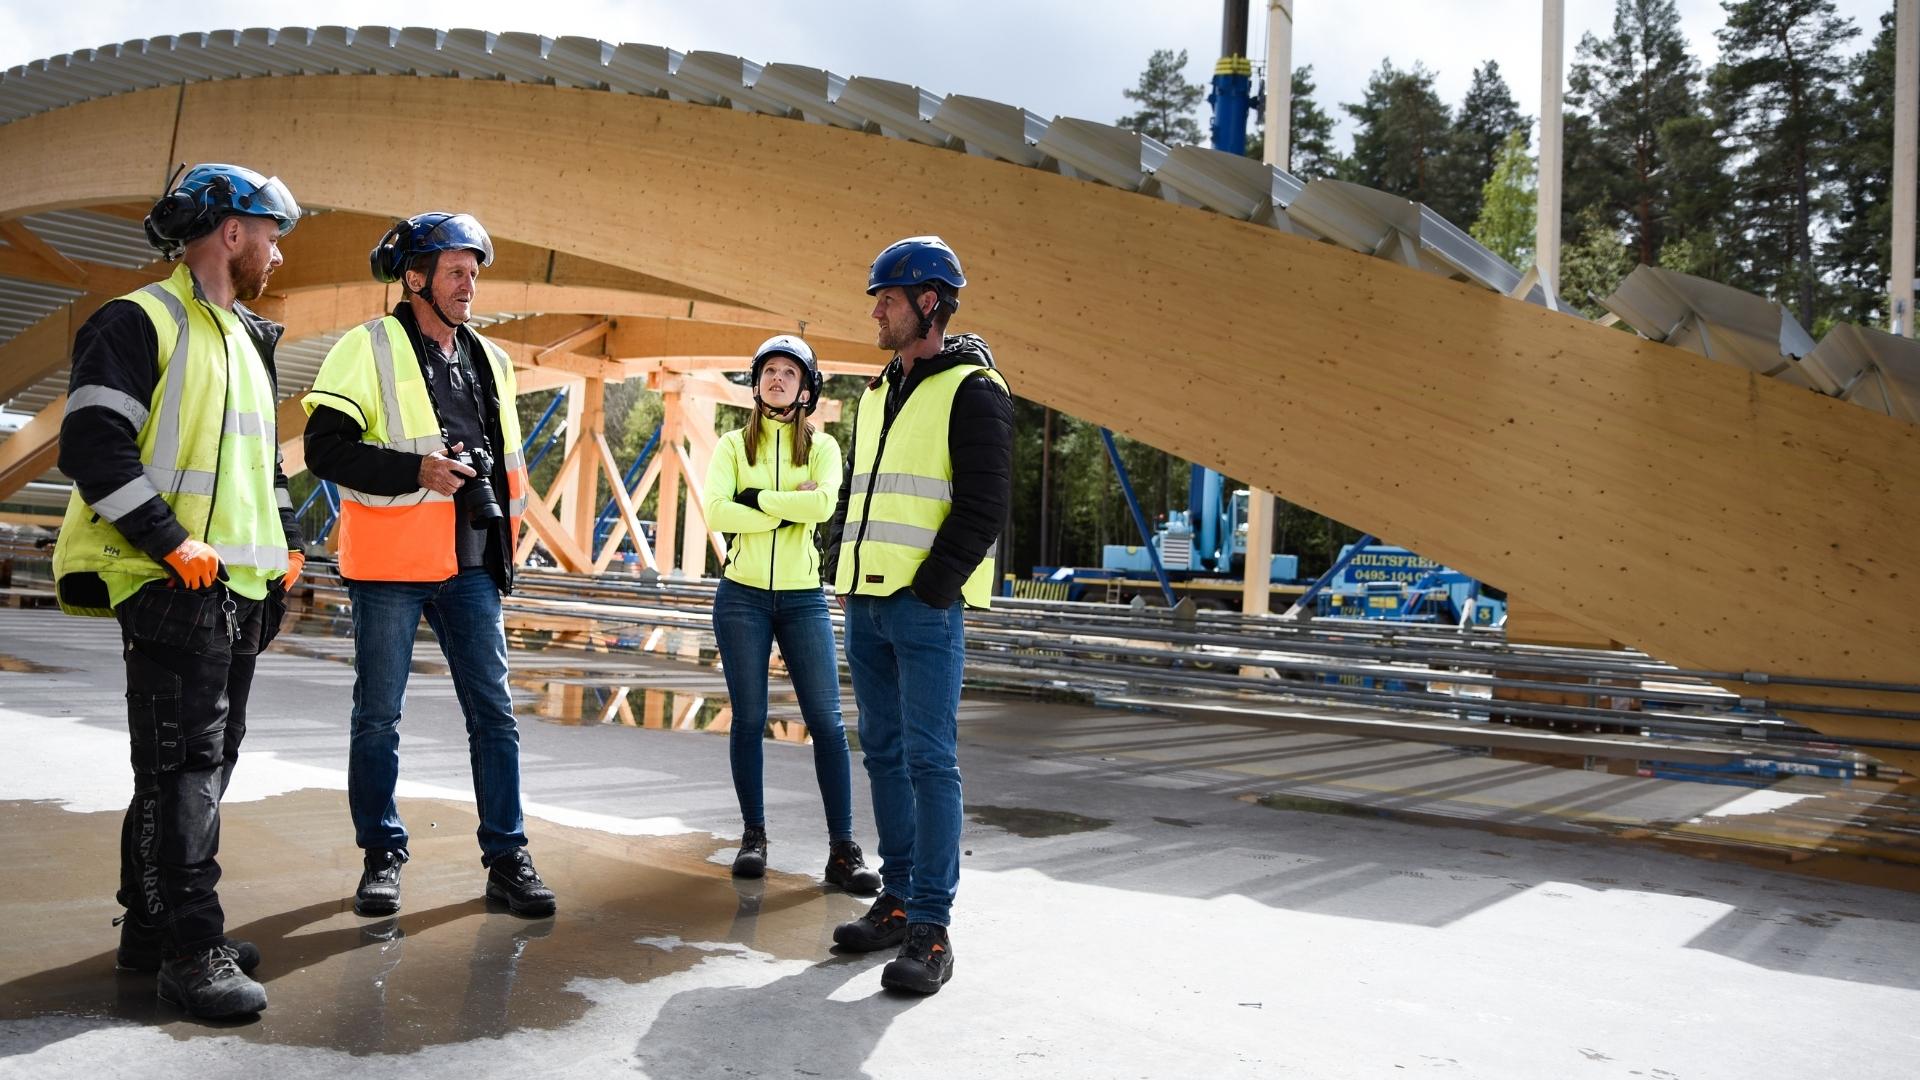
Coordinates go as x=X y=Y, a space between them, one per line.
x=802 y=437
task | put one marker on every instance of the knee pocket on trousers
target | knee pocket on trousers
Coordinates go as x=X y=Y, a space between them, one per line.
x=153 y=715
x=163 y=734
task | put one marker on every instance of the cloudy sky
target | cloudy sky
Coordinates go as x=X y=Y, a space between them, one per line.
x=1055 y=57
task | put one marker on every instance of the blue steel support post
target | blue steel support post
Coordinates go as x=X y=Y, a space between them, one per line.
x=333 y=508
x=605 y=519
x=1139 y=519
x=1232 y=99
x=527 y=443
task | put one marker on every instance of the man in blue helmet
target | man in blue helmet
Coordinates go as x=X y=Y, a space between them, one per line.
x=180 y=527
x=913 y=545
x=412 y=415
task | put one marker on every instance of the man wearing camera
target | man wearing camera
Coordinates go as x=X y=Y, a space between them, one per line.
x=412 y=416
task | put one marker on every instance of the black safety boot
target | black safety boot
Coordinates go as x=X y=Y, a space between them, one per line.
x=752 y=860
x=210 y=984
x=925 y=962
x=882 y=927
x=379 y=891
x=847 y=868
x=140 y=948
x=512 y=880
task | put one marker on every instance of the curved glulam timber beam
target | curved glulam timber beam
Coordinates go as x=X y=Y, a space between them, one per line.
x=1713 y=518
x=331 y=249
x=31 y=450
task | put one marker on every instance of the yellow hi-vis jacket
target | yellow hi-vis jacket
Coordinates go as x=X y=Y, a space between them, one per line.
x=902 y=489
x=772 y=547
x=207 y=441
x=373 y=375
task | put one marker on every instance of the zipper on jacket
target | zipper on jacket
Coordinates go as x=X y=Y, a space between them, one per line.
x=773 y=551
x=873 y=476
x=226 y=406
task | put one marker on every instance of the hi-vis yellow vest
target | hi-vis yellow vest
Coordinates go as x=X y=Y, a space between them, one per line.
x=373 y=375
x=903 y=490
x=208 y=443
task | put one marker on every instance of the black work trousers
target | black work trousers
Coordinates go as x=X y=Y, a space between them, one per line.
x=190 y=656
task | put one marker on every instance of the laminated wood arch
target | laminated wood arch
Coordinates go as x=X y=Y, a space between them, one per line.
x=1713 y=518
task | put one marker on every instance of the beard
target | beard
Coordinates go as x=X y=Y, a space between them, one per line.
x=894 y=337
x=249 y=273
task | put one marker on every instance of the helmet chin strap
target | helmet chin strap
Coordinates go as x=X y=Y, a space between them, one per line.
x=784 y=414
x=926 y=317
x=426 y=293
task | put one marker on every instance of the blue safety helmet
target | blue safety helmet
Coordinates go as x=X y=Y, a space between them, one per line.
x=426 y=234
x=920 y=261
x=801 y=353
x=209 y=194
x=917 y=260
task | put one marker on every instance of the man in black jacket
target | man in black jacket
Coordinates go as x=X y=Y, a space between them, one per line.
x=911 y=546
x=170 y=415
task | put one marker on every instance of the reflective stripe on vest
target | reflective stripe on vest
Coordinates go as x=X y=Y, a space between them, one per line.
x=902 y=490
x=211 y=409
x=406 y=537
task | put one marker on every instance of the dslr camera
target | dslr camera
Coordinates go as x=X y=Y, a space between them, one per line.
x=476 y=498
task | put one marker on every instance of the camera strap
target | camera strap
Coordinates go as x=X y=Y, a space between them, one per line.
x=453 y=377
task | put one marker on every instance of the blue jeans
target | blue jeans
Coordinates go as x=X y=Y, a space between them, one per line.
x=464 y=611
x=746 y=623
x=906 y=659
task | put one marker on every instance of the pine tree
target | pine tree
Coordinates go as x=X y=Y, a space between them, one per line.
x=1508 y=200
x=1311 y=155
x=1488 y=117
x=1630 y=85
x=1167 y=100
x=1699 y=199
x=1592 y=265
x=1776 y=93
x=1858 y=255
x=1404 y=136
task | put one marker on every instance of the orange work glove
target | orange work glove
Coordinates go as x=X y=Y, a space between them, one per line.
x=195 y=563
x=296 y=562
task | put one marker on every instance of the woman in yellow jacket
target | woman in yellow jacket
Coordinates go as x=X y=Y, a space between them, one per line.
x=769 y=485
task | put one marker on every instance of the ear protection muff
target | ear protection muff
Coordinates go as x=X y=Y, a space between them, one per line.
x=182 y=216
x=387 y=257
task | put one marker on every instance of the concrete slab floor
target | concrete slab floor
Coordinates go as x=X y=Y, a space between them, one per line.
x=1122 y=914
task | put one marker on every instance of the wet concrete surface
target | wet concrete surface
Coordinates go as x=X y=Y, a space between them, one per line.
x=450 y=968
x=1029 y=822
x=1196 y=933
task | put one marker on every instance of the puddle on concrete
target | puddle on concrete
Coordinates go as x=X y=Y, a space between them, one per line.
x=575 y=694
x=1028 y=822
x=1309 y=805
x=28 y=667
x=449 y=968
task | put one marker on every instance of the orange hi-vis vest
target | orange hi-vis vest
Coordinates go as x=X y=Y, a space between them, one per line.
x=373 y=375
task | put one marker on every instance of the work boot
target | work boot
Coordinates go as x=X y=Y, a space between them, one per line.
x=209 y=984
x=925 y=962
x=752 y=860
x=379 y=891
x=512 y=880
x=882 y=927
x=847 y=868
x=140 y=948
